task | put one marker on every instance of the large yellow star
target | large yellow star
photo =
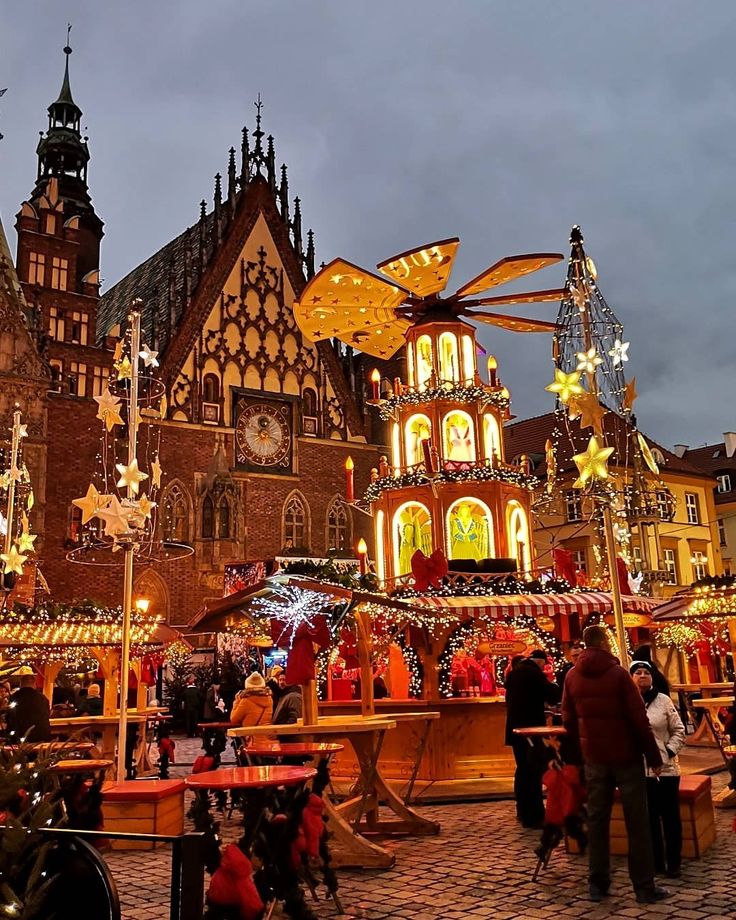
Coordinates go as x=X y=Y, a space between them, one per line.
x=26 y=541
x=647 y=454
x=13 y=561
x=145 y=506
x=130 y=475
x=108 y=409
x=593 y=463
x=124 y=368
x=630 y=394
x=91 y=503
x=565 y=385
x=589 y=410
x=115 y=517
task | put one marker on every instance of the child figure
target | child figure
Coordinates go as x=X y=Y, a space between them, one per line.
x=459 y=673
x=166 y=752
x=474 y=676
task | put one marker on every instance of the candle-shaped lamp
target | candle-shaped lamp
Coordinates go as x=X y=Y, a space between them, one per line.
x=349 y=482
x=427 y=453
x=492 y=367
x=363 y=556
x=376 y=383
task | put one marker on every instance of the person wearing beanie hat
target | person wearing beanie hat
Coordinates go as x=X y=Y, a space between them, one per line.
x=644 y=653
x=252 y=706
x=663 y=791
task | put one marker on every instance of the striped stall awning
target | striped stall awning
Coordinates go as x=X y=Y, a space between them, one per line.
x=500 y=607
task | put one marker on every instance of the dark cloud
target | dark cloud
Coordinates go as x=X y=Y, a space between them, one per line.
x=500 y=122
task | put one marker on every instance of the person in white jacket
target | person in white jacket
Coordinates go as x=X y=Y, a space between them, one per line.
x=663 y=790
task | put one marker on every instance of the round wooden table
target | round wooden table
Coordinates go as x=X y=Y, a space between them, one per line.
x=306 y=750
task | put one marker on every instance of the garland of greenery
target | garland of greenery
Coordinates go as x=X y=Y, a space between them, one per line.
x=454 y=393
x=475 y=473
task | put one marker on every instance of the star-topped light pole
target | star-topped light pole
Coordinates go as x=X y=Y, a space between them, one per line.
x=14 y=548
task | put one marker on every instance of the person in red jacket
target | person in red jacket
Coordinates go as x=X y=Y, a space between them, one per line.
x=604 y=715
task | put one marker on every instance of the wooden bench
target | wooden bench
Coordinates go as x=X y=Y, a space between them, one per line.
x=696 y=811
x=151 y=806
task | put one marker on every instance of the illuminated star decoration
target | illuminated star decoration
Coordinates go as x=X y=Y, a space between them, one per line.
x=115 y=517
x=565 y=385
x=589 y=411
x=3 y=524
x=647 y=454
x=118 y=354
x=148 y=357
x=108 y=409
x=551 y=461
x=619 y=352
x=593 y=464
x=91 y=503
x=588 y=361
x=145 y=506
x=630 y=394
x=124 y=368
x=13 y=561
x=156 y=474
x=130 y=475
x=579 y=294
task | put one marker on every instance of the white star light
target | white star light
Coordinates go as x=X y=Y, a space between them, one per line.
x=149 y=357
x=588 y=361
x=619 y=352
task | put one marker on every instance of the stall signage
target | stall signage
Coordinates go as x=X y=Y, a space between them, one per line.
x=546 y=623
x=631 y=620
x=505 y=647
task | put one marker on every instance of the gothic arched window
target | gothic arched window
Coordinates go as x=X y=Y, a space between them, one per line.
x=338 y=527
x=296 y=522
x=223 y=519
x=175 y=507
x=309 y=400
x=208 y=518
x=210 y=388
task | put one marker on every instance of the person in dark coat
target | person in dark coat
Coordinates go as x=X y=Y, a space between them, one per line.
x=289 y=707
x=604 y=715
x=92 y=703
x=213 y=711
x=191 y=707
x=28 y=712
x=527 y=693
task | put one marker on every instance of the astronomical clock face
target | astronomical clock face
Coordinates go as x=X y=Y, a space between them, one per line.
x=263 y=440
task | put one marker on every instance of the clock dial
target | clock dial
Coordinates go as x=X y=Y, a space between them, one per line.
x=263 y=436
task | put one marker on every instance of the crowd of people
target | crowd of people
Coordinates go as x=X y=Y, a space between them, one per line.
x=623 y=732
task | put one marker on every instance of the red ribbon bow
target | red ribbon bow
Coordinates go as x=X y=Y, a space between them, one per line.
x=428 y=571
x=300 y=663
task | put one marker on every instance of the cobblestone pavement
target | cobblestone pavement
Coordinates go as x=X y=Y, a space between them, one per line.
x=479 y=868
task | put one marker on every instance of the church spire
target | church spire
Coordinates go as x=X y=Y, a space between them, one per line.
x=62 y=151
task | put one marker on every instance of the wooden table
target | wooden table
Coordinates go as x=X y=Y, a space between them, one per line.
x=359 y=815
x=711 y=707
x=106 y=726
x=408 y=717
x=274 y=750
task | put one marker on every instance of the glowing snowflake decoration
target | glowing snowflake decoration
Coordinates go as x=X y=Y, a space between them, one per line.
x=293 y=607
x=588 y=361
x=619 y=352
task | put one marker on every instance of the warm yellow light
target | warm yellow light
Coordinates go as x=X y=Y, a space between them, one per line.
x=362 y=547
x=349 y=465
x=505 y=393
x=492 y=363
x=376 y=375
x=142 y=604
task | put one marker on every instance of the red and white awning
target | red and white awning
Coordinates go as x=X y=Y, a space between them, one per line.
x=503 y=606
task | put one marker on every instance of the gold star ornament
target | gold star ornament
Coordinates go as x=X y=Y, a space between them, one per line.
x=130 y=475
x=115 y=517
x=13 y=561
x=156 y=474
x=108 y=409
x=124 y=368
x=588 y=361
x=26 y=541
x=589 y=411
x=565 y=385
x=630 y=394
x=593 y=464
x=91 y=503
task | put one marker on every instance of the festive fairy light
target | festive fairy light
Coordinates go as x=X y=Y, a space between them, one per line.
x=52 y=625
x=292 y=606
x=477 y=473
x=497 y=396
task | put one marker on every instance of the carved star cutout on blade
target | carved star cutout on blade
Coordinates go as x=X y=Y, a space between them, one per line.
x=589 y=410
x=91 y=503
x=13 y=561
x=115 y=517
x=630 y=395
x=579 y=294
x=156 y=474
x=130 y=475
x=565 y=385
x=108 y=409
x=593 y=464
x=148 y=357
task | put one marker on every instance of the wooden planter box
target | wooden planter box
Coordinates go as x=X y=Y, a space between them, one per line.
x=153 y=806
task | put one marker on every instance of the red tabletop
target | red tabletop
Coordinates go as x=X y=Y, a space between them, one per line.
x=292 y=749
x=250 y=777
x=223 y=725
x=541 y=731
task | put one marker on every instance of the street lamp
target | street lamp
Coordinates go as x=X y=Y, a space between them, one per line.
x=142 y=604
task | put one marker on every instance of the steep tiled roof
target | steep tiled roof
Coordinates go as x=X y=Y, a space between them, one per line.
x=713 y=459
x=528 y=436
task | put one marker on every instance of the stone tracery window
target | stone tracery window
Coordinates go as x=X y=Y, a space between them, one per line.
x=296 y=522
x=223 y=518
x=208 y=518
x=175 y=508
x=338 y=527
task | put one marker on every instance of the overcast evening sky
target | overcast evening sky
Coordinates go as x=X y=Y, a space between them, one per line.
x=502 y=123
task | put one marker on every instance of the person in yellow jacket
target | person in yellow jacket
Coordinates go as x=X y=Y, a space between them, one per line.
x=253 y=705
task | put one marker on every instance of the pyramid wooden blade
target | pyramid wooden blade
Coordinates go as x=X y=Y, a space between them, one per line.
x=346 y=302
x=552 y=295
x=514 y=323
x=508 y=269
x=424 y=270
